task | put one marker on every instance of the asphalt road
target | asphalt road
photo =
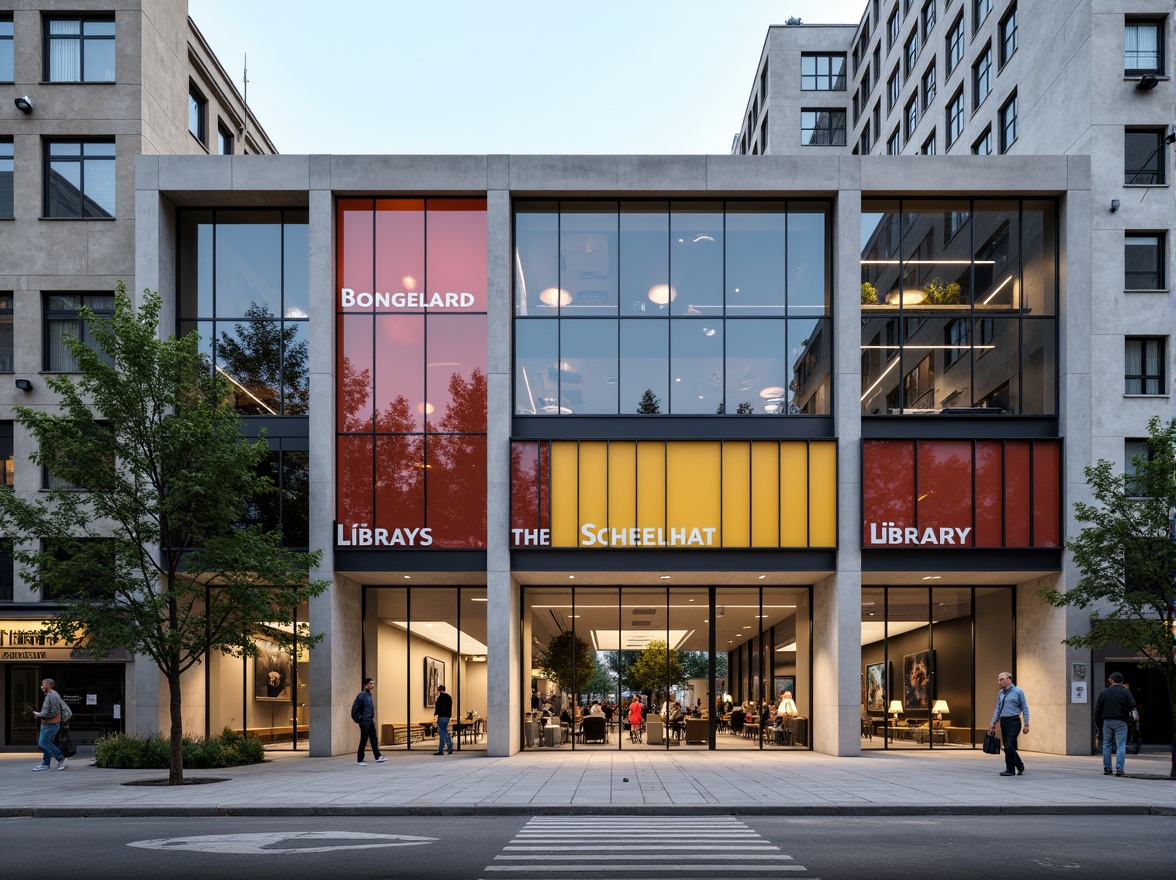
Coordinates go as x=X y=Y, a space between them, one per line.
x=599 y=848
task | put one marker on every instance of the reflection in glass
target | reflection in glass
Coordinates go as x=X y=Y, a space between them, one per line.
x=400 y=482
x=248 y=263
x=696 y=366
x=755 y=243
x=588 y=259
x=455 y=257
x=536 y=263
x=645 y=354
x=757 y=372
x=296 y=265
x=456 y=486
x=810 y=352
x=261 y=357
x=808 y=257
x=588 y=367
x=455 y=390
x=696 y=260
x=355 y=479
x=357 y=363
x=645 y=258
x=400 y=246
x=400 y=372
x=536 y=367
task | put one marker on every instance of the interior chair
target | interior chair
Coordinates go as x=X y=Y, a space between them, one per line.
x=594 y=729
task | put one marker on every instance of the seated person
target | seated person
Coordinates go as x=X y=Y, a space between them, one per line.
x=565 y=717
x=787 y=707
x=596 y=710
x=737 y=719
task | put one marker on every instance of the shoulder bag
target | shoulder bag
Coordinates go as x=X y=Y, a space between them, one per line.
x=991 y=744
x=65 y=743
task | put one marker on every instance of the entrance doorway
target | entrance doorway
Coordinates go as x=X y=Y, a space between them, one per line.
x=95 y=693
x=707 y=666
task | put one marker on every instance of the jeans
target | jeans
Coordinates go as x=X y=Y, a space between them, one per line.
x=443 y=736
x=1114 y=735
x=367 y=732
x=46 y=744
x=1010 y=728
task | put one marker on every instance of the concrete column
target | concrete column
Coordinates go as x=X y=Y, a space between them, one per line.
x=503 y=701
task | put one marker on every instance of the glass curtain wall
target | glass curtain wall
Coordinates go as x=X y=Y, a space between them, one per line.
x=679 y=654
x=417 y=639
x=930 y=656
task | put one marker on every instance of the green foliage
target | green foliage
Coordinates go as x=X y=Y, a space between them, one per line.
x=650 y=404
x=600 y=683
x=1127 y=555
x=656 y=669
x=869 y=294
x=153 y=751
x=941 y=294
x=569 y=661
x=744 y=409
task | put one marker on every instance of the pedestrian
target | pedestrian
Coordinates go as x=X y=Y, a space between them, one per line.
x=1112 y=712
x=1010 y=706
x=444 y=711
x=50 y=717
x=363 y=713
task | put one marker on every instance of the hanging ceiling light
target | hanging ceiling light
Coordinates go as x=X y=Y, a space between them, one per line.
x=662 y=294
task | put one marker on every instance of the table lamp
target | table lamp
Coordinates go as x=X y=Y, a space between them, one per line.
x=895 y=710
x=940 y=709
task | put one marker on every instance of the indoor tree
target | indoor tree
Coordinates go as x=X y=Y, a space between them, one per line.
x=569 y=661
x=656 y=669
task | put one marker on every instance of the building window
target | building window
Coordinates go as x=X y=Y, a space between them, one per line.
x=894 y=144
x=79 y=50
x=764 y=81
x=825 y=128
x=79 y=179
x=6 y=172
x=892 y=87
x=1133 y=450
x=1144 y=370
x=1008 y=123
x=866 y=143
x=6 y=57
x=955 y=45
x=983 y=146
x=955 y=117
x=929 y=146
x=6 y=332
x=910 y=52
x=928 y=16
x=224 y=140
x=197 y=114
x=1143 y=157
x=1143 y=261
x=1143 y=46
x=911 y=116
x=1008 y=35
x=955 y=340
x=981 y=8
x=929 y=86
x=982 y=77
x=764 y=133
x=63 y=320
x=892 y=30
x=822 y=73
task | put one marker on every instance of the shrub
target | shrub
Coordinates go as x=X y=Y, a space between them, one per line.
x=153 y=751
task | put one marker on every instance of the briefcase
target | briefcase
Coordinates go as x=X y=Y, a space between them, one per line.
x=991 y=744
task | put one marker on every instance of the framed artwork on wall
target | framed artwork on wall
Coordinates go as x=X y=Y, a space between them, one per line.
x=876 y=687
x=434 y=677
x=784 y=683
x=271 y=672
x=916 y=680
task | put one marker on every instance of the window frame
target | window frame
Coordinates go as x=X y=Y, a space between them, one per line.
x=836 y=82
x=981 y=9
x=7 y=359
x=8 y=166
x=1005 y=119
x=953 y=50
x=982 y=75
x=893 y=87
x=911 y=116
x=47 y=168
x=1158 y=250
x=829 y=112
x=984 y=140
x=910 y=51
x=199 y=104
x=927 y=18
x=224 y=138
x=928 y=85
x=929 y=147
x=954 y=116
x=1159 y=23
x=1144 y=377
x=1008 y=36
x=82 y=40
x=48 y=316
x=892 y=29
x=1159 y=154
x=7 y=35
x=894 y=143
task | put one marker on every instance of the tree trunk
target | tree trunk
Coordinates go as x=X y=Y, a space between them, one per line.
x=175 y=774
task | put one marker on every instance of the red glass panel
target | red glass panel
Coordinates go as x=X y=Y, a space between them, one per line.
x=545 y=484
x=524 y=485
x=400 y=486
x=989 y=493
x=354 y=486
x=456 y=255
x=1047 y=498
x=1017 y=493
x=945 y=492
x=400 y=373
x=400 y=249
x=456 y=486
x=888 y=487
x=356 y=366
x=456 y=377
x=354 y=242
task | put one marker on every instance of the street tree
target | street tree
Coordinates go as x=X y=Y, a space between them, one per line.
x=1127 y=556
x=142 y=538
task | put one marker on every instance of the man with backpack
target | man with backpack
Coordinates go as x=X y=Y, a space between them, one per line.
x=1113 y=711
x=54 y=712
x=363 y=713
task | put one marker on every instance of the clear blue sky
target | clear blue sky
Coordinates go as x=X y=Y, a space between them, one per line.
x=500 y=76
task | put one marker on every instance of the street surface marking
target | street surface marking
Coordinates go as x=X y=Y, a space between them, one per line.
x=281 y=842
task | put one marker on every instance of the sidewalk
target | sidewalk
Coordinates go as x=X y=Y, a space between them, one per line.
x=793 y=783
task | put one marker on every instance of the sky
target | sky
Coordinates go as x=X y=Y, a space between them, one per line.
x=500 y=76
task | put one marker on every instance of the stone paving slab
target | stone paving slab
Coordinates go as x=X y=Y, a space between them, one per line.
x=792 y=783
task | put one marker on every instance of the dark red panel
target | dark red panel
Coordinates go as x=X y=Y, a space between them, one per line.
x=456 y=490
x=944 y=498
x=456 y=375
x=1047 y=495
x=400 y=485
x=456 y=249
x=524 y=485
x=400 y=249
x=355 y=369
x=354 y=486
x=989 y=493
x=400 y=373
x=545 y=484
x=888 y=486
x=1017 y=492
x=354 y=244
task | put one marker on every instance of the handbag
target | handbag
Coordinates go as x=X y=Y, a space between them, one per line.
x=991 y=744
x=66 y=744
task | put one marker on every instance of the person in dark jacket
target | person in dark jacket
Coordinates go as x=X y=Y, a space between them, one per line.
x=363 y=713
x=443 y=709
x=1112 y=712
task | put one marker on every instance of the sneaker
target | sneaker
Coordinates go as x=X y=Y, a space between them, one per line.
x=438 y=753
x=1106 y=771
x=381 y=759
x=1120 y=773
x=1020 y=771
x=63 y=764
x=361 y=763
x=40 y=767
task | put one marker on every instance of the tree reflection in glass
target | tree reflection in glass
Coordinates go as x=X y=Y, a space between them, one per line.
x=266 y=363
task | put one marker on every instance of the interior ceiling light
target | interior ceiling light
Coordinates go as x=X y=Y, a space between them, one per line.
x=555 y=296
x=613 y=640
x=662 y=294
x=424 y=408
x=909 y=296
x=762 y=576
x=772 y=392
x=409 y=282
x=928 y=262
x=664 y=577
x=933 y=577
x=441 y=633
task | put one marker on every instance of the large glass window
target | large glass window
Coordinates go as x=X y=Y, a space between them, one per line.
x=1144 y=370
x=958 y=305
x=79 y=179
x=63 y=321
x=1143 y=157
x=6 y=177
x=823 y=128
x=681 y=276
x=822 y=72
x=1143 y=46
x=79 y=50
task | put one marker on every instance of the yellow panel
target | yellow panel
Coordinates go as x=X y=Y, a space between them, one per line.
x=794 y=486
x=736 y=494
x=823 y=494
x=694 y=494
x=564 y=494
x=651 y=483
x=765 y=493
x=622 y=484
x=593 y=483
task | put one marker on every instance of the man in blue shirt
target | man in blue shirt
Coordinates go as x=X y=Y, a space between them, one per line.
x=1010 y=706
